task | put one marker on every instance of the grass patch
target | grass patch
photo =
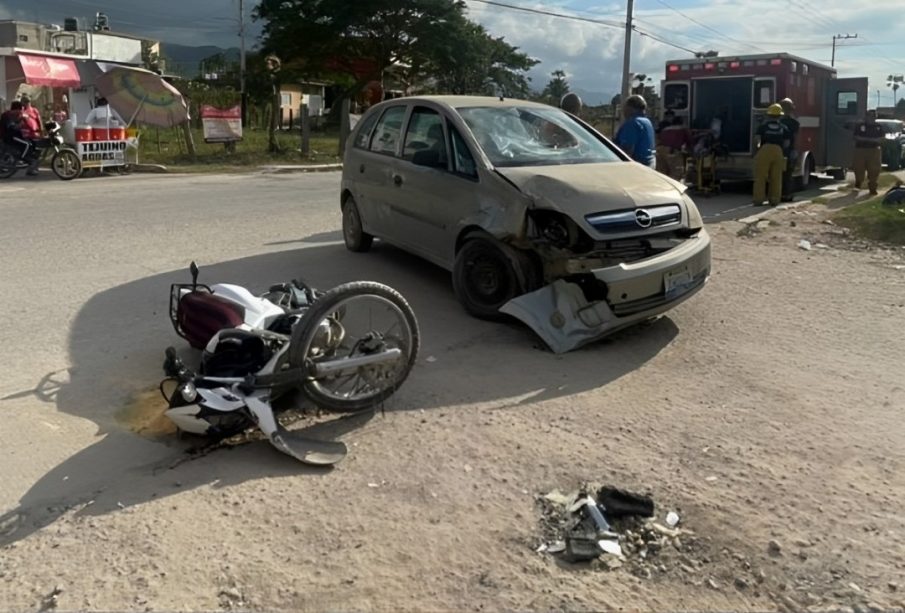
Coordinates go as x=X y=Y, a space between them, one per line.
x=884 y=182
x=167 y=147
x=872 y=220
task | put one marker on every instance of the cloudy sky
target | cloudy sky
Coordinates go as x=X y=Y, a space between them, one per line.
x=590 y=53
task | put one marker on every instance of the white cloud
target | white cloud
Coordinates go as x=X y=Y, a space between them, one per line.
x=591 y=54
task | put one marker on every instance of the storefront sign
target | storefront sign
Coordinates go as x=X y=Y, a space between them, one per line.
x=99 y=154
x=221 y=125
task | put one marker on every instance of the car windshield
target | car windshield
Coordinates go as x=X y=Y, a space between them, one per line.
x=531 y=136
x=891 y=126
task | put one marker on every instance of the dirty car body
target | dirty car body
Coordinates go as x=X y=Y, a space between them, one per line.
x=537 y=215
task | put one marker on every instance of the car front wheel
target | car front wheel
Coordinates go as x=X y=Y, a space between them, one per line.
x=485 y=276
x=354 y=236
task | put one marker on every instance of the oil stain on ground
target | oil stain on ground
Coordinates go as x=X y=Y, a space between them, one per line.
x=144 y=415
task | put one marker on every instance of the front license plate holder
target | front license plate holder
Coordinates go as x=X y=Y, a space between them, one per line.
x=676 y=281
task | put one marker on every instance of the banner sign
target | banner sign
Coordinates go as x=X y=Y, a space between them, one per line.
x=221 y=125
x=99 y=154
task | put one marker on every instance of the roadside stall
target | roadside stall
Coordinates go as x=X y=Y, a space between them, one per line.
x=108 y=137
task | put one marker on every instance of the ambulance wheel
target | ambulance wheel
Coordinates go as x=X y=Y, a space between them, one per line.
x=66 y=164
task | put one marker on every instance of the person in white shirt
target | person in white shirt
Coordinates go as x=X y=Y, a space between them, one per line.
x=103 y=115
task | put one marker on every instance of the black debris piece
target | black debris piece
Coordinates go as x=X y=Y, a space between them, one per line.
x=618 y=503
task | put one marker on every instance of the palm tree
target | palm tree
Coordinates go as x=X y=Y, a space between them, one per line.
x=894 y=81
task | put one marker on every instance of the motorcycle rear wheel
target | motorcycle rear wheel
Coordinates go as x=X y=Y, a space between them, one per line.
x=8 y=164
x=66 y=164
x=345 y=305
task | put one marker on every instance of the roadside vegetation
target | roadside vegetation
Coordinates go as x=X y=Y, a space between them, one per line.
x=168 y=147
x=873 y=220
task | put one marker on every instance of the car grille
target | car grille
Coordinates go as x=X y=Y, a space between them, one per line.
x=629 y=220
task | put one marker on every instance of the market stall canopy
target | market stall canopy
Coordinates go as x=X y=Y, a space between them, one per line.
x=44 y=70
x=140 y=95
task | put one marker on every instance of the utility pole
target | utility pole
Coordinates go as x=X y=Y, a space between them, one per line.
x=839 y=37
x=242 y=91
x=627 y=53
x=878 y=98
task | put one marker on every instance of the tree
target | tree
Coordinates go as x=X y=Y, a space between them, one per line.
x=468 y=60
x=894 y=81
x=556 y=88
x=422 y=38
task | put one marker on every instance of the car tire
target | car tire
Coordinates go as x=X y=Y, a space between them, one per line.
x=354 y=236
x=487 y=274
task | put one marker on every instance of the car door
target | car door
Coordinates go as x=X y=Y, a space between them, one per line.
x=373 y=169
x=846 y=104
x=436 y=185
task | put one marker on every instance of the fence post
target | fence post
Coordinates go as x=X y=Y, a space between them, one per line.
x=305 y=118
x=344 y=127
x=290 y=118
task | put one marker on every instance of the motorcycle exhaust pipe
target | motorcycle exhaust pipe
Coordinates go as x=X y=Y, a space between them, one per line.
x=333 y=367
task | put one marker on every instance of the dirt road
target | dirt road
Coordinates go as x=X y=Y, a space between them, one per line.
x=768 y=408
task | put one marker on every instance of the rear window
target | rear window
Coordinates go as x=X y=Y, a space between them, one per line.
x=534 y=136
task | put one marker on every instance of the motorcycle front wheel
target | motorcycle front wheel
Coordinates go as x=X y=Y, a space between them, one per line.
x=66 y=164
x=8 y=164
x=355 y=322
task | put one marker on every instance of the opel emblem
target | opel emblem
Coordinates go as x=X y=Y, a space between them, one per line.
x=643 y=218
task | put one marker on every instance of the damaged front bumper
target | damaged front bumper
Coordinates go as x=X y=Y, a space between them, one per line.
x=565 y=319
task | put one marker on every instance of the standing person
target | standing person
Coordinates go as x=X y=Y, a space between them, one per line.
x=791 y=152
x=869 y=137
x=102 y=114
x=31 y=114
x=668 y=118
x=636 y=134
x=769 y=160
x=571 y=103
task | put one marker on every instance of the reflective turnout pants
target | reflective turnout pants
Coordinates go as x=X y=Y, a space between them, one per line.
x=769 y=164
x=867 y=160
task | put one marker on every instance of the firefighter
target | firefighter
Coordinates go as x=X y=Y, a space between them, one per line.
x=769 y=161
x=790 y=151
x=869 y=137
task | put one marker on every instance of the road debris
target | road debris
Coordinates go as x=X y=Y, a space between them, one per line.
x=672 y=519
x=804 y=244
x=615 y=530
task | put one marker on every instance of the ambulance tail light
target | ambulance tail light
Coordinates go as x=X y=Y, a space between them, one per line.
x=709 y=66
x=776 y=62
x=735 y=64
x=673 y=68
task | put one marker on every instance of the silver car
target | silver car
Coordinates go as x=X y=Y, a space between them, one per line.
x=536 y=214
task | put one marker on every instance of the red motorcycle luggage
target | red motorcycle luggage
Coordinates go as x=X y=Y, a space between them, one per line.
x=200 y=315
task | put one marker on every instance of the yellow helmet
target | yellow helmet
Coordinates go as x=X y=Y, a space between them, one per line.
x=775 y=110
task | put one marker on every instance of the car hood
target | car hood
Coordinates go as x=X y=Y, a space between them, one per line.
x=582 y=189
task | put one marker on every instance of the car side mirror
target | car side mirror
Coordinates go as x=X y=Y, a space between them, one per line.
x=193 y=269
x=429 y=158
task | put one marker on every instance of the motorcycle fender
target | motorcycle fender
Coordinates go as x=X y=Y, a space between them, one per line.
x=262 y=413
x=220 y=399
x=561 y=315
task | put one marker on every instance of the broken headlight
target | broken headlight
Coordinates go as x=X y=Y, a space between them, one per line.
x=554 y=228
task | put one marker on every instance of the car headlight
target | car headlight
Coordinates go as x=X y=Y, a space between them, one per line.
x=188 y=392
x=694 y=215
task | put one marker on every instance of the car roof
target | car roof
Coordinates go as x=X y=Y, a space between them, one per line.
x=472 y=101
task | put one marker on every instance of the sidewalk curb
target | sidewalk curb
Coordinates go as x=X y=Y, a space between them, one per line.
x=829 y=197
x=286 y=169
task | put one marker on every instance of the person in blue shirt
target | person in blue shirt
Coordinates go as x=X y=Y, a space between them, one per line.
x=636 y=134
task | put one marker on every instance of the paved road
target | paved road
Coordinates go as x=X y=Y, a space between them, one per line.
x=86 y=270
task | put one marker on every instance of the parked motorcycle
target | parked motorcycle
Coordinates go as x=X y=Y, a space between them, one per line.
x=347 y=349
x=65 y=162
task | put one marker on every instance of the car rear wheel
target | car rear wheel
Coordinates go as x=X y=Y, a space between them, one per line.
x=354 y=236
x=488 y=274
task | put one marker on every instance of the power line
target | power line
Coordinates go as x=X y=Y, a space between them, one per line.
x=664 y=42
x=602 y=22
x=705 y=26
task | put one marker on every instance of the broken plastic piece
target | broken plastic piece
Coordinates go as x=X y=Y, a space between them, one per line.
x=672 y=519
x=611 y=547
x=588 y=506
x=579 y=549
x=803 y=244
x=620 y=503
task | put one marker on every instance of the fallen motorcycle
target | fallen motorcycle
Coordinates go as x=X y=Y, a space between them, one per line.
x=65 y=162
x=347 y=349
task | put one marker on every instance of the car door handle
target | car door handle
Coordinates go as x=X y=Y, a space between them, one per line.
x=397 y=180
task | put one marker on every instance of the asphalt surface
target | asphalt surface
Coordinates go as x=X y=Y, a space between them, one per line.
x=85 y=278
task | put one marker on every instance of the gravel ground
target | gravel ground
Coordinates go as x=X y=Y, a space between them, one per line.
x=766 y=411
